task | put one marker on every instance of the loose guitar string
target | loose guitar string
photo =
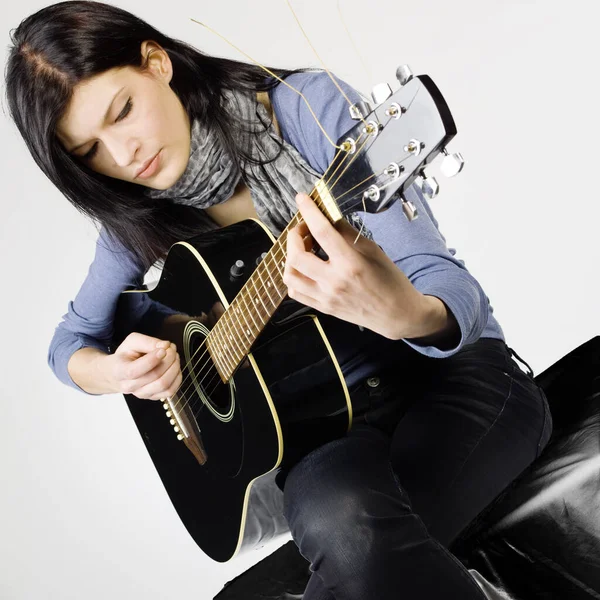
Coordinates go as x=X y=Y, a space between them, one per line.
x=210 y=364
x=259 y=292
x=367 y=70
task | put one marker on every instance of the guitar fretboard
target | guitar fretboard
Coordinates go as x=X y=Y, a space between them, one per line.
x=238 y=328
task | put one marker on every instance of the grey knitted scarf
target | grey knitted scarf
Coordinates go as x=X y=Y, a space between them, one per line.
x=211 y=176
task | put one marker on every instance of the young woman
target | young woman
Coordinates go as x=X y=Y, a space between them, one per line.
x=156 y=141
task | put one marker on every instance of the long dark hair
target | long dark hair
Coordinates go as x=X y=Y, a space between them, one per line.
x=66 y=43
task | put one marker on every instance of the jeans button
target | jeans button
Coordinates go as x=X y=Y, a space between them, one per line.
x=373 y=382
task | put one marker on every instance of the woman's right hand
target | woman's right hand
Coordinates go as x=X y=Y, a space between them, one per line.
x=145 y=366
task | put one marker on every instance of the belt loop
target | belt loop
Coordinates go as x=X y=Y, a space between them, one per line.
x=515 y=354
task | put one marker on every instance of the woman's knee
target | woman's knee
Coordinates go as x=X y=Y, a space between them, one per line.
x=341 y=495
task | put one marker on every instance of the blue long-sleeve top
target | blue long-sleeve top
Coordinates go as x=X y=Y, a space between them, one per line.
x=418 y=248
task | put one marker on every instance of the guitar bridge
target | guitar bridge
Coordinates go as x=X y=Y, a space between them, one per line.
x=186 y=428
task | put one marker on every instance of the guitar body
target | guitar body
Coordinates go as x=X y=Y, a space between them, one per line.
x=286 y=399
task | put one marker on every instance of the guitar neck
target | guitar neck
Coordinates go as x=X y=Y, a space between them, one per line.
x=240 y=325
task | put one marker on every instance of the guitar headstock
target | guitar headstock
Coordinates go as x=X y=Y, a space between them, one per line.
x=390 y=146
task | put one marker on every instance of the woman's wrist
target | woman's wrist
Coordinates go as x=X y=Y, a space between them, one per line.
x=90 y=369
x=437 y=326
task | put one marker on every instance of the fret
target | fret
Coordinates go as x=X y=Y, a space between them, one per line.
x=265 y=288
x=272 y=280
x=217 y=357
x=241 y=293
x=261 y=300
x=246 y=331
x=222 y=349
x=223 y=335
x=277 y=261
x=232 y=336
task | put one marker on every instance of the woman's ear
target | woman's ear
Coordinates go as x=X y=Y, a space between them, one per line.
x=156 y=61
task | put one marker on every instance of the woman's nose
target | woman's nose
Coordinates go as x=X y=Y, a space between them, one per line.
x=122 y=151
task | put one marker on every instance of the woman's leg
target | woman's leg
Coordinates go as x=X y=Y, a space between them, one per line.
x=479 y=423
x=472 y=424
x=354 y=523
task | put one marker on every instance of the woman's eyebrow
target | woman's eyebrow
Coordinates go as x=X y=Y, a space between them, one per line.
x=105 y=118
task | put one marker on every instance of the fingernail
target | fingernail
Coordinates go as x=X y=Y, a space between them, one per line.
x=160 y=353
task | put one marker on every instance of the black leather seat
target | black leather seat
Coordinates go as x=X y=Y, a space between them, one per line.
x=540 y=539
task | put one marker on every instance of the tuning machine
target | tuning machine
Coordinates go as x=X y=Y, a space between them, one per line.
x=452 y=164
x=360 y=110
x=409 y=209
x=381 y=92
x=429 y=185
x=404 y=74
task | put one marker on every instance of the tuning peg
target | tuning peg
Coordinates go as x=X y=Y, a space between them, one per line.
x=452 y=164
x=404 y=74
x=429 y=187
x=381 y=92
x=360 y=110
x=410 y=210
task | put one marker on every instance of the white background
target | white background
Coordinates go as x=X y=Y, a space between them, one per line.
x=82 y=511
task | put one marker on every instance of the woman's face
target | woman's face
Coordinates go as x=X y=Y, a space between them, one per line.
x=129 y=124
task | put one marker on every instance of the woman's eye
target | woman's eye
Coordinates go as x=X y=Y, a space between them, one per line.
x=125 y=110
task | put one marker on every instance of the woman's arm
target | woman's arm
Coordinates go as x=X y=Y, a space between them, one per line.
x=417 y=248
x=83 y=337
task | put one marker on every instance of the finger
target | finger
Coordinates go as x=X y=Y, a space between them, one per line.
x=306 y=299
x=171 y=390
x=303 y=231
x=141 y=343
x=158 y=388
x=144 y=365
x=296 y=283
x=324 y=233
x=301 y=260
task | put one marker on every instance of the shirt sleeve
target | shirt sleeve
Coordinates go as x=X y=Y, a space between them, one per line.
x=418 y=248
x=89 y=320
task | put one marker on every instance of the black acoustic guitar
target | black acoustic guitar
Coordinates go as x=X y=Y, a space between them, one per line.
x=242 y=412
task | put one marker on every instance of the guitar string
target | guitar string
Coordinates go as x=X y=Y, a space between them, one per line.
x=264 y=297
x=210 y=365
x=182 y=394
x=214 y=374
x=274 y=259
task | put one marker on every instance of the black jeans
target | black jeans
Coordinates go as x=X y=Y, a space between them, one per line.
x=375 y=511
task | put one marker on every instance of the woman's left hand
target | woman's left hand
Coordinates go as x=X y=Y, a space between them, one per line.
x=358 y=283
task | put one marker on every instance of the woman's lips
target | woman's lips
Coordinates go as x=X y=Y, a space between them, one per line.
x=151 y=168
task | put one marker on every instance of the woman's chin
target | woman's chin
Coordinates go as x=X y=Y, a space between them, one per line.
x=169 y=175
